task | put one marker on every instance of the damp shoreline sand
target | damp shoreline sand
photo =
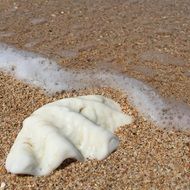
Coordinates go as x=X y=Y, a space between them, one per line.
x=80 y=35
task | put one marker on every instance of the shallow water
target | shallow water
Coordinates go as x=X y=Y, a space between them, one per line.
x=162 y=58
x=68 y=54
x=147 y=71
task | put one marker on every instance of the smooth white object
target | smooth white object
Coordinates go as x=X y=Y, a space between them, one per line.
x=79 y=128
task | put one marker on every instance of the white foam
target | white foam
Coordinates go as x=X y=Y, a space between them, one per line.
x=44 y=73
x=164 y=113
x=39 y=71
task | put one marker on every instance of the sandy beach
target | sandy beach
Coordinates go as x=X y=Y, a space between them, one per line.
x=144 y=39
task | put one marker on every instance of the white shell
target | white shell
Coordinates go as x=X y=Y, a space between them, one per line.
x=77 y=128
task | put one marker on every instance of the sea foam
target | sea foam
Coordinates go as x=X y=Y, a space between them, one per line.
x=48 y=75
x=38 y=70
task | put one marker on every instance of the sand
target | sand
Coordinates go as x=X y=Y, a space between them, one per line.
x=148 y=40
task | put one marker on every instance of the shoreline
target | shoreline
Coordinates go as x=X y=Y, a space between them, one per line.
x=147 y=40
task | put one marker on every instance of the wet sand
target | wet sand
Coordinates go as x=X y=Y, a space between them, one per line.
x=147 y=40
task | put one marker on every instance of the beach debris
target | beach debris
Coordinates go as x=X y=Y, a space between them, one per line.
x=80 y=128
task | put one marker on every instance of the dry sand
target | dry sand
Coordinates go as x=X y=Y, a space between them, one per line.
x=149 y=40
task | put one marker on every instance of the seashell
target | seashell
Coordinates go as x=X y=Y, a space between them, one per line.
x=80 y=128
